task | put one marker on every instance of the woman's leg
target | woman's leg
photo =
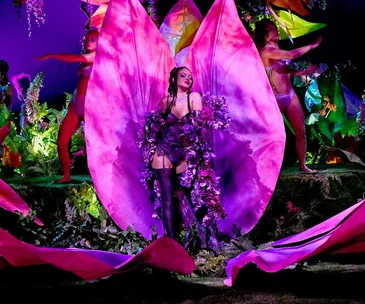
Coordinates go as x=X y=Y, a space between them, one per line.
x=295 y=115
x=68 y=127
x=166 y=176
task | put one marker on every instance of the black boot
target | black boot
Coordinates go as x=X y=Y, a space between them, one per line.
x=166 y=178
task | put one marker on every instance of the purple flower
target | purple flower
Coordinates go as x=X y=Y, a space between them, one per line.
x=203 y=173
x=79 y=152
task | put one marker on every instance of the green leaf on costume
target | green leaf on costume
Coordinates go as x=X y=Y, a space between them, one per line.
x=297 y=26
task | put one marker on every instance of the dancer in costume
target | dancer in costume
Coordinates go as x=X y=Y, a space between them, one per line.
x=6 y=90
x=6 y=95
x=75 y=113
x=276 y=65
x=176 y=155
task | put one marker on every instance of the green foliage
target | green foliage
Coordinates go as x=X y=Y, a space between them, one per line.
x=38 y=147
x=37 y=141
x=85 y=200
x=316 y=158
x=208 y=264
x=27 y=220
x=5 y=115
x=81 y=223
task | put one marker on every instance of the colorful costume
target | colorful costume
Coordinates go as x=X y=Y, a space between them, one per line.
x=282 y=99
x=181 y=139
x=4 y=97
x=5 y=102
x=78 y=102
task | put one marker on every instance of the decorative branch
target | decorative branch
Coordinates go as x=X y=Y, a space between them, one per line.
x=34 y=7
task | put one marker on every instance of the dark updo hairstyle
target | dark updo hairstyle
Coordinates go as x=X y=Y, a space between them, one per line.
x=261 y=31
x=172 y=90
x=92 y=31
x=4 y=69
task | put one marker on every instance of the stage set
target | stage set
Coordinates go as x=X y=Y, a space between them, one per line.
x=196 y=138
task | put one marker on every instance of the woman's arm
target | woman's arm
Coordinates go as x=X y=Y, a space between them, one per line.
x=82 y=58
x=196 y=101
x=164 y=103
x=275 y=53
x=308 y=71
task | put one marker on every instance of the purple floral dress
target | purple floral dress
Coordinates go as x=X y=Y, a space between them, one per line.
x=181 y=139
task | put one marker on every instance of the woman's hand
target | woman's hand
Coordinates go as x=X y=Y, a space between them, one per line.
x=311 y=69
x=42 y=58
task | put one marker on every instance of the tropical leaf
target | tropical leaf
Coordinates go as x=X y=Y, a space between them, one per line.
x=297 y=6
x=297 y=26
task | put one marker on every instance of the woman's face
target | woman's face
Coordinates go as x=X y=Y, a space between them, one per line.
x=184 y=79
x=91 y=41
x=272 y=34
x=1 y=76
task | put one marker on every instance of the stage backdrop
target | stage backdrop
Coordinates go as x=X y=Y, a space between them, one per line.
x=61 y=33
x=64 y=29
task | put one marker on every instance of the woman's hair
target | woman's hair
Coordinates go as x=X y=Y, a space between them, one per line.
x=173 y=85
x=92 y=31
x=4 y=68
x=261 y=30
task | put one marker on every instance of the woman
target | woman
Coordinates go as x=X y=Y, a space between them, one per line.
x=276 y=64
x=6 y=95
x=6 y=90
x=177 y=158
x=75 y=113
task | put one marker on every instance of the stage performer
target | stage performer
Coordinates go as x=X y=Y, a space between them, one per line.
x=6 y=90
x=276 y=62
x=6 y=95
x=75 y=112
x=178 y=162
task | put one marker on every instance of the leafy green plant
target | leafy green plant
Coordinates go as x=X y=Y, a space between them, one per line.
x=37 y=140
x=85 y=200
x=208 y=264
x=81 y=222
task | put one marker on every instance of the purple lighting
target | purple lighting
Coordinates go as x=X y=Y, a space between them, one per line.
x=62 y=33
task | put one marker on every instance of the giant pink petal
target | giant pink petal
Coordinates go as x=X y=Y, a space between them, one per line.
x=225 y=62
x=356 y=245
x=96 y=2
x=12 y=202
x=319 y=229
x=129 y=78
x=164 y=253
x=346 y=237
